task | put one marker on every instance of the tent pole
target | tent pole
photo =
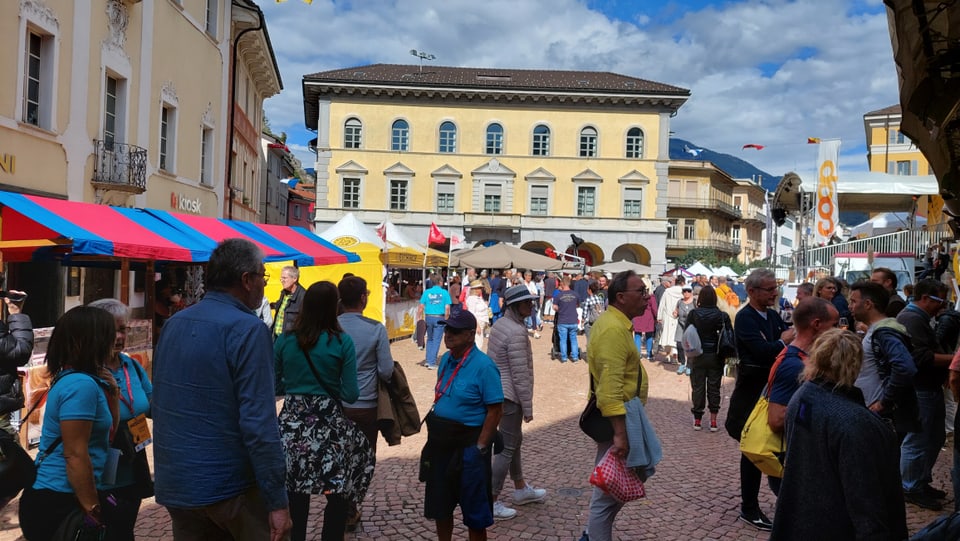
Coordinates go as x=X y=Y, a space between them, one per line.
x=125 y=280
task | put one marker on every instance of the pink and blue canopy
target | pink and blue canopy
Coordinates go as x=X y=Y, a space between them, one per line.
x=34 y=227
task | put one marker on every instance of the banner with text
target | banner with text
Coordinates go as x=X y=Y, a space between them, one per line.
x=828 y=214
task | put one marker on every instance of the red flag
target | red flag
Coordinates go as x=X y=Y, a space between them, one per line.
x=382 y=231
x=758 y=147
x=436 y=237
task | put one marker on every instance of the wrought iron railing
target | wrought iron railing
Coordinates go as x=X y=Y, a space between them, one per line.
x=713 y=244
x=697 y=203
x=120 y=166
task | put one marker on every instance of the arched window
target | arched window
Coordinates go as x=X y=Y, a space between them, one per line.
x=352 y=133
x=400 y=136
x=448 y=138
x=634 y=143
x=588 y=142
x=494 y=139
x=541 y=140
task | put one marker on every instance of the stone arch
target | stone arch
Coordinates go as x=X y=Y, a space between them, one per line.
x=590 y=252
x=538 y=247
x=634 y=253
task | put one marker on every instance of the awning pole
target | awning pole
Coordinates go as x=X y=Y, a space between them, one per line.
x=125 y=281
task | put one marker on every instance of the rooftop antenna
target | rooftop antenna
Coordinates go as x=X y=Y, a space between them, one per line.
x=422 y=56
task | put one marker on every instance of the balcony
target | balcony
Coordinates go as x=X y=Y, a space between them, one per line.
x=717 y=206
x=712 y=244
x=754 y=215
x=120 y=167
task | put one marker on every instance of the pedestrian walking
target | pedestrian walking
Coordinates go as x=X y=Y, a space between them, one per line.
x=509 y=347
x=617 y=376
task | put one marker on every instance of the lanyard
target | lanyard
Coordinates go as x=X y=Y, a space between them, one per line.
x=129 y=404
x=437 y=391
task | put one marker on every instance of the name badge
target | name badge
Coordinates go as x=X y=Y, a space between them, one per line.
x=140 y=432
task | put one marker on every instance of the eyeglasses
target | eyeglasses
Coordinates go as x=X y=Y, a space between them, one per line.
x=770 y=289
x=642 y=291
x=938 y=299
x=264 y=275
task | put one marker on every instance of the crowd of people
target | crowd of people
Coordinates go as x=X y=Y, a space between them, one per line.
x=853 y=377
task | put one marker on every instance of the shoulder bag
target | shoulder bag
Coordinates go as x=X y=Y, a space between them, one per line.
x=592 y=421
x=758 y=442
x=727 y=341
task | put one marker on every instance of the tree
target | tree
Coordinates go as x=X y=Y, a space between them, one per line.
x=705 y=255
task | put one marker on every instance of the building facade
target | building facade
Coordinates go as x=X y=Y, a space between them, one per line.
x=889 y=150
x=750 y=198
x=521 y=156
x=126 y=102
x=700 y=209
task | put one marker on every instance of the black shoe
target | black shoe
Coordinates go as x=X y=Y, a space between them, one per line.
x=758 y=520
x=933 y=492
x=921 y=499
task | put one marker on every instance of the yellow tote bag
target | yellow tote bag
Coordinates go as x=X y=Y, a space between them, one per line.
x=758 y=442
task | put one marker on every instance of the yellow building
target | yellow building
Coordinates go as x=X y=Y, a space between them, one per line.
x=127 y=102
x=700 y=209
x=522 y=156
x=889 y=150
x=750 y=198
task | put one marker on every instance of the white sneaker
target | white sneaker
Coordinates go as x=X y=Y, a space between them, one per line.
x=529 y=494
x=502 y=512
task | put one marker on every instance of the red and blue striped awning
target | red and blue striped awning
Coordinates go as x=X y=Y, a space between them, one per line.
x=278 y=242
x=33 y=227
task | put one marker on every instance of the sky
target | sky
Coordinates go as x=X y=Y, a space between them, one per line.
x=765 y=72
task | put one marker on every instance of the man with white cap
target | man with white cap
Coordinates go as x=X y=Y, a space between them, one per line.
x=509 y=347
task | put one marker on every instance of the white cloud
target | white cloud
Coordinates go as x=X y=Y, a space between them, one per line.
x=772 y=72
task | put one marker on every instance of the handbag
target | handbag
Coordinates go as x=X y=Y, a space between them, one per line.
x=17 y=469
x=592 y=421
x=13 y=399
x=727 y=341
x=612 y=476
x=691 y=342
x=135 y=460
x=74 y=528
x=758 y=442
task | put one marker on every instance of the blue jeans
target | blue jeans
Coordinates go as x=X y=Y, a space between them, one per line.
x=644 y=339
x=434 y=336
x=568 y=331
x=919 y=450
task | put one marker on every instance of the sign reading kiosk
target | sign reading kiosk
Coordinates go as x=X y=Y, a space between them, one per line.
x=183 y=203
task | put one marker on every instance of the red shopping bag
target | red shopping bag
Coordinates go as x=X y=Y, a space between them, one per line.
x=614 y=477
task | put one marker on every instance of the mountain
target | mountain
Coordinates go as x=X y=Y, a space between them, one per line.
x=737 y=168
x=732 y=165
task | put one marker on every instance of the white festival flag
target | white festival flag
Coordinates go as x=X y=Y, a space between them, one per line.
x=828 y=214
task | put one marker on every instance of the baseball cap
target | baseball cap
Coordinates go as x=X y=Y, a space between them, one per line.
x=461 y=320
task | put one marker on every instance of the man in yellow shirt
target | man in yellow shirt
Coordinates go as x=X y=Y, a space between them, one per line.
x=617 y=377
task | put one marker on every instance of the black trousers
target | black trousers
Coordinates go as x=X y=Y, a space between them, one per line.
x=706 y=373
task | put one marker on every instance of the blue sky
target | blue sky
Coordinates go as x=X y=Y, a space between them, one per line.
x=769 y=72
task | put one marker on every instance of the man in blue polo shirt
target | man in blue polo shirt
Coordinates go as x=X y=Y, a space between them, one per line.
x=456 y=461
x=434 y=306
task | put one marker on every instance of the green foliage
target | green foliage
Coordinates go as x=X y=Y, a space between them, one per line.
x=705 y=255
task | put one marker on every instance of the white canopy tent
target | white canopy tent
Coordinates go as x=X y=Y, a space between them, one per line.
x=700 y=268
x=888 y=222
x=351 y=226
x=867 y=191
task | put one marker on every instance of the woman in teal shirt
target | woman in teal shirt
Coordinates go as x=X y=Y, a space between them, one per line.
x=316 y=368
x=77 y=421
x=133 y=482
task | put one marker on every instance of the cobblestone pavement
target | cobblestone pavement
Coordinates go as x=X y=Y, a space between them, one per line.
x=694 y=494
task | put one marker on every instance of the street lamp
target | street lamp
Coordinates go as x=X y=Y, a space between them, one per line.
x=422 y=56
